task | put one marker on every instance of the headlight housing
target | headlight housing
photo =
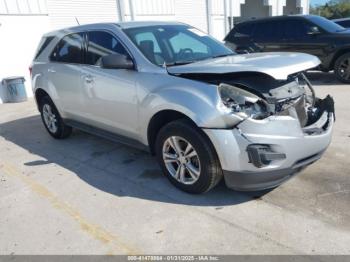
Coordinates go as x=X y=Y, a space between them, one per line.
x=242 y=102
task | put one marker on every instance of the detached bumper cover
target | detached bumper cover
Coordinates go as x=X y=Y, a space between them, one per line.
x=283 y=135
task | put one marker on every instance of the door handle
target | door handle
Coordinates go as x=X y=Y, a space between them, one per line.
x=50 y=70
x=88 y=79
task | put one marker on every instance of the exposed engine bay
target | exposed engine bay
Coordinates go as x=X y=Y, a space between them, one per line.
x=259 y=95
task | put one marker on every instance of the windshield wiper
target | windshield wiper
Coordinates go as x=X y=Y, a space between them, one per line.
x=180 y=63
x=224 y=55
x=193 y=61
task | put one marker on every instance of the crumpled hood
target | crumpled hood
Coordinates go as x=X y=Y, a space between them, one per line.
x=278 y=65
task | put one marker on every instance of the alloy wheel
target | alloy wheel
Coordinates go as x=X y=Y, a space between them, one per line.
x=50 y=118
x=344 y=69
x=181 y=160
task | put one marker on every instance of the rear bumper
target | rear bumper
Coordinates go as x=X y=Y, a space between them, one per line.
x=295 y=147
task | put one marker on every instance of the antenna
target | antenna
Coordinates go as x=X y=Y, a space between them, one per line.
x=76 y=19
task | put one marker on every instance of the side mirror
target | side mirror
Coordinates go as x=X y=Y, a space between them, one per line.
x=313 y=30
x=116 y=61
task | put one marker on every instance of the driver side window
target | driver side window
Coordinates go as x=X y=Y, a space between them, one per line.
x=296 y=29
x=102 y=44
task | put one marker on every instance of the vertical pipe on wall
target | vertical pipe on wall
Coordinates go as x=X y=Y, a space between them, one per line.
x=225 y=16
x=209 y=16
x=29 y=9
x=121 y=10
x=39 y=7
x=6 y=7
x=18 y=9
x=131 y=6
x=231 y=14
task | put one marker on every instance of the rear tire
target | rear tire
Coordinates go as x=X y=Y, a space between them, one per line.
x=342 y=68
x=52 y=119
x=187 y=157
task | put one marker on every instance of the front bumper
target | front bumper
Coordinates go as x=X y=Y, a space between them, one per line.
x=282 y=134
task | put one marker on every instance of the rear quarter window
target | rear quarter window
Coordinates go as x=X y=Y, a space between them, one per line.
x=69 y=49
x=241 y=30
x=44 y=42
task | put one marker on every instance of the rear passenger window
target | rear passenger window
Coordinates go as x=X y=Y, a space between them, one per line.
x=69 y=50
x=269 y=31
x=44 y=42
x=102 y=44
x=295 y=29
x=244 y=30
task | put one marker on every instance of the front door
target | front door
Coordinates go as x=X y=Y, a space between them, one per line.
x=298 y=38
x=268 y=36
x=110 y=94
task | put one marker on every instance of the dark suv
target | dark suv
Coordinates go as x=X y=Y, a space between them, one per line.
x=310 y=34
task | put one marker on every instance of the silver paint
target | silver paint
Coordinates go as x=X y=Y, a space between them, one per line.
x=124 y=101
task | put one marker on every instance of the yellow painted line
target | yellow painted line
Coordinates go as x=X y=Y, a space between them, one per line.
x=115 y=244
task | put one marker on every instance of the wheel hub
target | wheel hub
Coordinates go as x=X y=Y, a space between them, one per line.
x=49 y=118
x=181 y=160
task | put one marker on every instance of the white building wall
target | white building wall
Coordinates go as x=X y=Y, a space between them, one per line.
x=22 y=35
x=64 y=13
x=276 y=6
x=147 y=10
x=23 y=22
x=192 y=12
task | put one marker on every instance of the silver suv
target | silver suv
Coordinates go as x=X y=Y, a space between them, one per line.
x=204 y=111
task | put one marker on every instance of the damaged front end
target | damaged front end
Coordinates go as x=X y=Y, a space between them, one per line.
x=284 y=129
x=295 y=97
x=271 y=125
x=259 y=96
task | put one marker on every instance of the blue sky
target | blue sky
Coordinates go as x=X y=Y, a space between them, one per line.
x=318 y=2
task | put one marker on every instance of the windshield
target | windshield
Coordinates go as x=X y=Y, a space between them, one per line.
x=326 y=24
x=175 y=44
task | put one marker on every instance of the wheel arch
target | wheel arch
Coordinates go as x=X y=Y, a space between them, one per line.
x=40 y=94
x=338 y=54
x=159 y=120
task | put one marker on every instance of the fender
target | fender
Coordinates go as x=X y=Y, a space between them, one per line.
x=201 y=103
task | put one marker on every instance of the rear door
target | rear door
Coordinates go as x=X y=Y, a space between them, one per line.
x=268 y=36
x=64 y=75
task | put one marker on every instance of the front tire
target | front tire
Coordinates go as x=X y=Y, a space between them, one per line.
x=342 y=68
x=187 y=157
x=52 y=119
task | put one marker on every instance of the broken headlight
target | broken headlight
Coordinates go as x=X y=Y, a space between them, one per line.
x=242 y=102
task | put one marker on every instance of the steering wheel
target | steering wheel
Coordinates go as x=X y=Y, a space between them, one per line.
x=185 y=54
